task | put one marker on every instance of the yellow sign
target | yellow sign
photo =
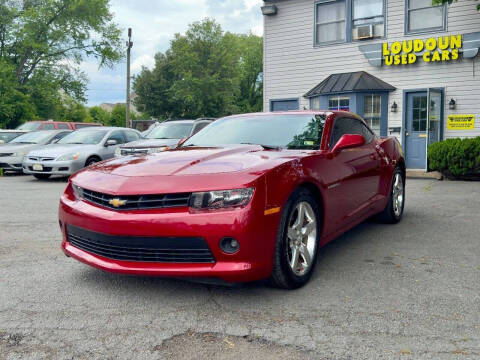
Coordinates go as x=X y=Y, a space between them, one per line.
x=461 y=122
x=443 y=48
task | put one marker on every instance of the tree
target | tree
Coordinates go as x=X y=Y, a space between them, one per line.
x=205 y=72
x=450 y=2
x=42 y=43
x=99 y=115
x=118 y=115
x=250 y=98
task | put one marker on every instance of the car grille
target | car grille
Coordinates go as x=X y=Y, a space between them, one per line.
x=145 y=249
x=132 y=151
x=132 y=202
x=5 y=154
x=35 y=158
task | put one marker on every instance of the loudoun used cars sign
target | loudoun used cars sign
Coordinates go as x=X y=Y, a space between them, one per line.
x=448 y=48
x=443 y=48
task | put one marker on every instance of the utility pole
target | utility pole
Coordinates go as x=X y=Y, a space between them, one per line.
x=129 y=46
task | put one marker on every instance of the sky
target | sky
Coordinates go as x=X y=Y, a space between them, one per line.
x=154 y=23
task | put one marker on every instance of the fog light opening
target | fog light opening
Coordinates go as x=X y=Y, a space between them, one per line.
x=229 y=245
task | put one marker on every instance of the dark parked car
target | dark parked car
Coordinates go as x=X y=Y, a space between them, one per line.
x=164 y=136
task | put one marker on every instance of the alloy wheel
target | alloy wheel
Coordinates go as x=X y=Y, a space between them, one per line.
x=397 y=194
x=301 y=238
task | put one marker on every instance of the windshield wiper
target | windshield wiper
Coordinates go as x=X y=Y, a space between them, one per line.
x=162 y=138
x=266 y=147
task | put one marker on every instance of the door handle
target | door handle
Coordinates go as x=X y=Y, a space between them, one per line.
x=407 y=134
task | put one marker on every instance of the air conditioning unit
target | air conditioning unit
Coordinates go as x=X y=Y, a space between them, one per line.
x=365 y=32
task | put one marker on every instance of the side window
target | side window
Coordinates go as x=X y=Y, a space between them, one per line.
x=199 y=126
x=343 y=126
x=47 y=126
x=117 y=135
x=62 y=126
x=131 y=136
x=59 y=136
x=367 y=134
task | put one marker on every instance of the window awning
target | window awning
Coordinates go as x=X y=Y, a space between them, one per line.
x=359 y=81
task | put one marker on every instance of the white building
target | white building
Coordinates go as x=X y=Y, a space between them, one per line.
x=382 y=59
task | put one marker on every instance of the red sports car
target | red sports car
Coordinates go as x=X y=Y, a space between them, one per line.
x=249 y=197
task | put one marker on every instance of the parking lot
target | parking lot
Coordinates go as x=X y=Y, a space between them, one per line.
x=406 y=291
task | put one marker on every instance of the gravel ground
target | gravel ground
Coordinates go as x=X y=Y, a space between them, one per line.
x=406 y=291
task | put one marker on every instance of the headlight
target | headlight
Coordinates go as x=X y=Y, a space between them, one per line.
x=157 y=150
x=66 y=157
x=118 y=151
x=78 y=191
x=221 y=199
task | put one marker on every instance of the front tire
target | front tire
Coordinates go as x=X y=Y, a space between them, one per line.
x=297 y=241
x=91 y=160
x=42 y=176
x=393 y=213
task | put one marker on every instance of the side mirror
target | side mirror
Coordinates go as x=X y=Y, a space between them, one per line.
x=181 y=142
x=348 y=141
x=111 y=142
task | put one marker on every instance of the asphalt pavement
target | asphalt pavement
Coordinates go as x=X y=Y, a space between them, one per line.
x=405 y=291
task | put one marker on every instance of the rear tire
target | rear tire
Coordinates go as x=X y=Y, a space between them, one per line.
x=297 y=241
x=42 y=176
x=393 y=212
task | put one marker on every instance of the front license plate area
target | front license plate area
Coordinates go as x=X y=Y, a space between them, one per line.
x=37 y=167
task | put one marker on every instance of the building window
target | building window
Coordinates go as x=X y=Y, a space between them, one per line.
x=339 y=103
x=315 y=103
x=372 y=111
x=368 y=19
x=422 y=16
x=330 y=22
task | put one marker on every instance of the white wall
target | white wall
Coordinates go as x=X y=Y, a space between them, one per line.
x=293 y=66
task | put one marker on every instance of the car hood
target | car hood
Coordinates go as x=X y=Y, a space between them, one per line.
x=11 y=148
x=184 y=170
x=151 y=143
x=54 y=150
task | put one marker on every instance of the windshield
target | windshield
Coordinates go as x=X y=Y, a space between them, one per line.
x=7 y=137
x=87 y=137
x=31 y=126
x=171 y=131
x=38 y=137
x=284 y=131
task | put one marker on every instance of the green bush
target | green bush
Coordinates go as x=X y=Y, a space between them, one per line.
x=456 y=158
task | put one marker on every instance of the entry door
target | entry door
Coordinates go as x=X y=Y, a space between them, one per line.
x=416 y=130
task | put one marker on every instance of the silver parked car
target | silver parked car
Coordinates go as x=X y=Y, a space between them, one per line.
x=165 y=135
x=13 y=153
x=77 y=150
x=8 y=135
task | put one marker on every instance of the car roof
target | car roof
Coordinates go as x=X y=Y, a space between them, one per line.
x=103 y=128
x=299 y=112
x=13 y=130
x=178 y=121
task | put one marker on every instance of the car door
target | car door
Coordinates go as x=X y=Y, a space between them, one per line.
x=109 y=151
x=353 y=174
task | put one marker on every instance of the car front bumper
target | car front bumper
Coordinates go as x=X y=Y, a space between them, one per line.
x=255 y=232
x=11 y=163
x=53 y=167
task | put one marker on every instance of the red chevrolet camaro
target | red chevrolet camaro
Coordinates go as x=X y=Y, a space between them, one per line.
x=249 y=197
